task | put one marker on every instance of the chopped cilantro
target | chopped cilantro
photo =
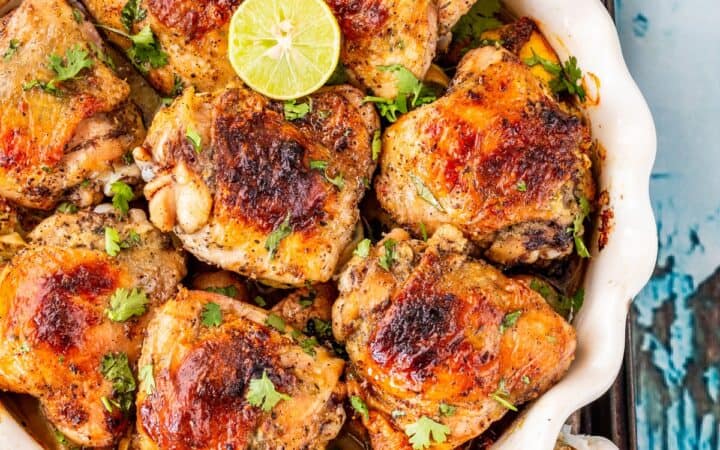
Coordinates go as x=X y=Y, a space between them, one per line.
x=501 y=396
x=308 y=345
x=261 y=393
x=102 y=56
x=480 y=18
x=521 y=186
x=67 y=208
x=509 y=320
x=260 y=301
x=387 y=259
x=425 y=431
x=122 y=195
x=12 y=49
x=423 y=232
x=147 y=378
x=145 y=52
x=322 y=166
x=194 y=139
x=412 y=93
x=278 y=234
x=363 y=248
x=376 y=145
x=78 y=15
x=425 y=193
x=112 y=241
x=116 y=369
x=568 y=76
x=132 y=12
x=275 y=321
x=359 y=406
x=578 y=229
x=446 y=410
x=125 y=304
x=295 y=111
x=307 y=300
x=227 y=291
x=211 y=315
x=65 y=68
x=525 y=379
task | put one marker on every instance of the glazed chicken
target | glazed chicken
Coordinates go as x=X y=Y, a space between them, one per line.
x=497 y=157
x=63 y=131
x=430 y=330
x=191 y=34
x=248 y=190
x=63 y=324
x=230 y=380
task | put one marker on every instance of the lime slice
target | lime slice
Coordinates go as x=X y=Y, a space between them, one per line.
x=284 y=49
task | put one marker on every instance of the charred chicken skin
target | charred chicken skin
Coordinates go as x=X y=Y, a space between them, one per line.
x=427 y=328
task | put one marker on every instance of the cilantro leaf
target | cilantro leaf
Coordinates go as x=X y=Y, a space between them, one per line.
x=549 y=66
x=568 y=76
x=112 y=241
x=426 y=431
x=261 y=393
x=363 y=248
x=376 y=145
x=131 y=13
x=509 y=320
x=76 y=59
x=227 y=291
x=480 y=18
x=279 y=233
x=578 y=229
x=67 y=208
x=563 y=305
x=359 y=406
x=147 y=378
x=446 y=410
x=194 y=139
x=275 y=321
x=322 y=166
x=260 y=301
x=126 y=304
x=122 y=195
x=12 y=49
x=146 y=52
x=412 y=93
x=425 y=193
x=102 y=56
x=78 y=15
x=501 y=395
x=423 y=232
x=521 y=186
x=308 y=345
x=294 y=111
x=211 y=315
x=387 y=259
x=116 y=369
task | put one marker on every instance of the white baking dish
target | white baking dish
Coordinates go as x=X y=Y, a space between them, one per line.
x=623 y=125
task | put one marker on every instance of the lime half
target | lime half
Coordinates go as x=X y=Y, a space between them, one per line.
x=284 y=49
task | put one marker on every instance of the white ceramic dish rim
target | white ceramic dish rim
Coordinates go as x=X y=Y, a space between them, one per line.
x=622 y=123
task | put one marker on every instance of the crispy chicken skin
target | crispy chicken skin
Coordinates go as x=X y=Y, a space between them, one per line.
x=429 y=331
x=252 y=179
x=501 y=160
x=54 y=330
x=193 y=34
x=50 y=144
x=202 y=375
x=381 y=33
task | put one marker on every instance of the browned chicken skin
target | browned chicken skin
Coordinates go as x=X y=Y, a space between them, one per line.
x=253 y=178
x=441 y=328
x=50 y=144
x=496 y=156
x=54 y=326
x=202 y=375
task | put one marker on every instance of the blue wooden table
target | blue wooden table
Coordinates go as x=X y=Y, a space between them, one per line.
x=673 y=50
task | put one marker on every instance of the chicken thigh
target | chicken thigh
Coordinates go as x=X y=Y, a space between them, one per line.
x=380 y=33
x=255 y=190
x=440 y=341
x=497 y=157
x=65 y=121
x=223 y=374
x=191 y=37
x=72 y=319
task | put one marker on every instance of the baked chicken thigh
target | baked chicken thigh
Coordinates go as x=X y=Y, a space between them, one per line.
x=497 y=157
x=256 y=190
x=190 y=38
x=65 y=121
x=72 y=319
x=223 y=374
x=440 y=341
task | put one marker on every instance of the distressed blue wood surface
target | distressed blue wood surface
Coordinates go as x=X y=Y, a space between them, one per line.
x=673 y=50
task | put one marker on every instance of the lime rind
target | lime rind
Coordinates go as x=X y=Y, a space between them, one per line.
x=282 y=68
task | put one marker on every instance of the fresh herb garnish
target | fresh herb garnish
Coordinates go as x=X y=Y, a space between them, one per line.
x=509 y=320
x=112 y=241
x=363 y=248
x=76 y=59
x=480 y=18
x=446 y=410
x=262 y=393
x=122 y=195
x=125 y=304
x=101 y=55
x=376 y=145
x=194 y=139
x=131 y=13
x=563 y=305
x=279 y=233
x=359 y=406
x=12 y=49
x=260 y=301
x=275 y=321
x=501 y=395
x=211 y=315
x=568 y=76
x=425 y=193
x=78 y=15
x=426 y=431
x=147 y=378
x=521 y=186
x=116 y=369
x=295 y=111
x=578 y=229
x=145 y=52
x=227 y=291
x=387 y=259
x=423 y=232
x=67 y=208
x=322 y=166
x=412 y=93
